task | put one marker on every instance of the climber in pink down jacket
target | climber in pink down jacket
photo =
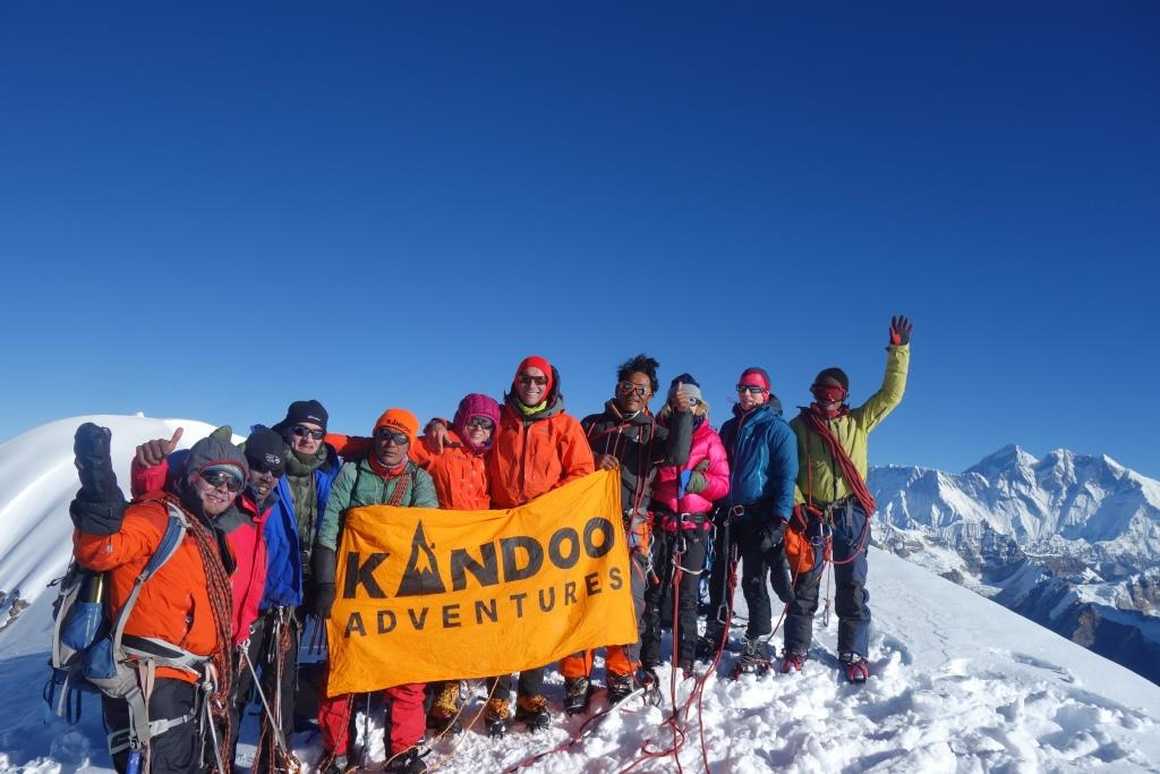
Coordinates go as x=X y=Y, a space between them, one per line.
x=682 y=501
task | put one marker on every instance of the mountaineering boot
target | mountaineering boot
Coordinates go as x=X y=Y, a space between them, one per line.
x=445 y=709
x=857 y=670
x=648 y=679
x=532 y=711
x=792 y=661
x=619 y=687
x=577 y=692
x=496 y=716
x=708 y=643
x=754 y=660
x=334 y=764
x=407 y=763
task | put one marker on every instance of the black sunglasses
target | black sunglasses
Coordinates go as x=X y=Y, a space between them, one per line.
x=525 y=379
x=751 y=388
x=482 y=422
x=387 y=434
x=305 y=432
x=215 y=477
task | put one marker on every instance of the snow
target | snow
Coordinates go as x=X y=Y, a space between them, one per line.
x=960 y=683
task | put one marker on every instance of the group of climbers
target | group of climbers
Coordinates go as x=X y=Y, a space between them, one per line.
x=785 y=500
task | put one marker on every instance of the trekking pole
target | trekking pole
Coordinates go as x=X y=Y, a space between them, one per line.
x=279 y=737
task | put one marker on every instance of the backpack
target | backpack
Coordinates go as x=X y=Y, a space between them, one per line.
x=91 y=654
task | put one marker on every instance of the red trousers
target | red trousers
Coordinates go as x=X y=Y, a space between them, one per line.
x=405 y=719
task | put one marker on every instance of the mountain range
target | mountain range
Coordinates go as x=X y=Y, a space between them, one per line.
x=1070 y=541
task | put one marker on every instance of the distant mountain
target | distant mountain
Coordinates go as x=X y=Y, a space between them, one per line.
x=1070 y=541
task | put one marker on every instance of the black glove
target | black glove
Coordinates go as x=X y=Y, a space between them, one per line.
x=771 y=534
x=780 y=575
x=99 y=505
x=325 y=567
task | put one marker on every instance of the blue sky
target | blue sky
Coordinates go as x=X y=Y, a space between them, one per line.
x=212 y=211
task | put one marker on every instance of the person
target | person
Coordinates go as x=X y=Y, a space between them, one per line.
x=244 y=528
x=302 y=492
x=683 y=499
x=834 y=503
x=538 y=447
x=458 y=467
x=384 y=477
x=626 y=436
x=763 y=466
x=184 y=608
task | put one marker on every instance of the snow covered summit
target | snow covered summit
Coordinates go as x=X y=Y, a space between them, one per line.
x=960 y=683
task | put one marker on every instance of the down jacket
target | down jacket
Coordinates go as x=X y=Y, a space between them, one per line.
x=763 y=462
x=706 y=446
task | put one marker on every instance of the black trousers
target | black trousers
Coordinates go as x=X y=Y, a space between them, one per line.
x=176 y=750
x=531 y=683
x=278 y=681
x=724 y=558
x=688 y=547
x=851 y=599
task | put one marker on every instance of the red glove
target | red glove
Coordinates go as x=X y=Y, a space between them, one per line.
x=900 y=328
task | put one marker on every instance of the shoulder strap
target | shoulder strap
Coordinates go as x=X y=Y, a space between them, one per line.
x=175 y=530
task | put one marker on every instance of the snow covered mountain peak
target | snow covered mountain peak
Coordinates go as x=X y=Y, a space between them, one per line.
x=958 y=682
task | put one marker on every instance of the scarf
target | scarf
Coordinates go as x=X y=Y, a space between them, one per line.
x=304 y=490
x=399 y=474
x=528 y=411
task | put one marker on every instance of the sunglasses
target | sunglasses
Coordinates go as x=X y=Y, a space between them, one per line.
x=305 y=432
x=228 y=476
x=264 y=470
x=387 y=434
x=628 y=388
x=481 y=422
x=526 y=379
x=695 y=401
x=752 y=389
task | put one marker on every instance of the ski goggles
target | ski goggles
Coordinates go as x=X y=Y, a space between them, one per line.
x=828 y=393
x=302 y=431
x=227 y=475
x=482 y=423
x=390 y=436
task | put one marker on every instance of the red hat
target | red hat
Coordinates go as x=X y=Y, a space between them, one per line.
x=756 y=376
x=535 y=361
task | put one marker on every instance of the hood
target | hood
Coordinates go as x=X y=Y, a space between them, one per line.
x=475 y=405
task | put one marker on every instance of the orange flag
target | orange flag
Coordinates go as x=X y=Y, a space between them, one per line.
x=427 y=594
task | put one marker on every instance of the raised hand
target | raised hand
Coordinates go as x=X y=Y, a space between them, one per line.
x=154 y=452
x=900 y=328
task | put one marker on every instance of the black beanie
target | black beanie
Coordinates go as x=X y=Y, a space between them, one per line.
x=837 y=374
x=303 y=411
x=266 y=451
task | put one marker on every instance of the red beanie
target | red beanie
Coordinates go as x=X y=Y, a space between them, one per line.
x=756 y=376
x=535 y=361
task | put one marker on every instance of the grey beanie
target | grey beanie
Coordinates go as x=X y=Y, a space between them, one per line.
x=214 y=451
